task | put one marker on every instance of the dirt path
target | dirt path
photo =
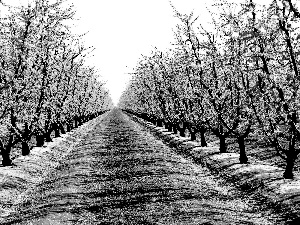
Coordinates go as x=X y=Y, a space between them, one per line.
x=120 y=174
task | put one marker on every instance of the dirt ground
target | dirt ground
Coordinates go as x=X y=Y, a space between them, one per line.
x=119 y=173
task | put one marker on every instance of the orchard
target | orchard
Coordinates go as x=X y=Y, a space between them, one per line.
x=46 y=88
x=238 y=78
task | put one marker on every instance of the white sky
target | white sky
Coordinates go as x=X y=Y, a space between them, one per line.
x=122 y=30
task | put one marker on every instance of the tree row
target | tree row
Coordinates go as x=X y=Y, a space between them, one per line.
x=239 y=78
x=46 y=89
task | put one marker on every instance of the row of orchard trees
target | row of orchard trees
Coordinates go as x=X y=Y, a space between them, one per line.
x=241 y=75
x=45 y=86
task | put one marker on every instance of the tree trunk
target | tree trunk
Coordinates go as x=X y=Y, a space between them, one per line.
x=166 y=124
x=223 y=147
x=159 y=123
x=39 y=140
x=25 y=137
x=203 y=140
x=243 y=156
x=68 y=127
x=153 y=121
x=182 y=132
x=71 y=124
x=62 y=129
x=56 y=130
x=79 y=121
x=290 y=159
x=6 y=161
x=25 y=148
x=193 y=135
x=288 y=173
x=48 y=136
x=175 y=131
x=76 y=123
x=170 y=127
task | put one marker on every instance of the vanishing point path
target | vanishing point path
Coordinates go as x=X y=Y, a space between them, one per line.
x=120 y=174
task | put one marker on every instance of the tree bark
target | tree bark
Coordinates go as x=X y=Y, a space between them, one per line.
x=159 y=123
x=290 y=159
x=182 y=129
x=203 y=140
x=243 y=156
x=76 y=123
x=25 y=148
x=182 y=132
x=5 y=151
x=62 y=129
x=48 y=136
x=56 y=130
x=80 y=121
x=170 y=127
x=153 y=121
x=166 y=124
x=39 y=140
x=68 y=127
x=71 y=124
x=288 y=173
x=6 y=161
x=193 y=135
x=223 y=147
x=175 y=131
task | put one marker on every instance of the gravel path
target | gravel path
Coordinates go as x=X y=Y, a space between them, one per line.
x=120 y=174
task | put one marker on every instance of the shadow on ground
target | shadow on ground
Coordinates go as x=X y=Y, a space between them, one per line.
x=120 y=174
